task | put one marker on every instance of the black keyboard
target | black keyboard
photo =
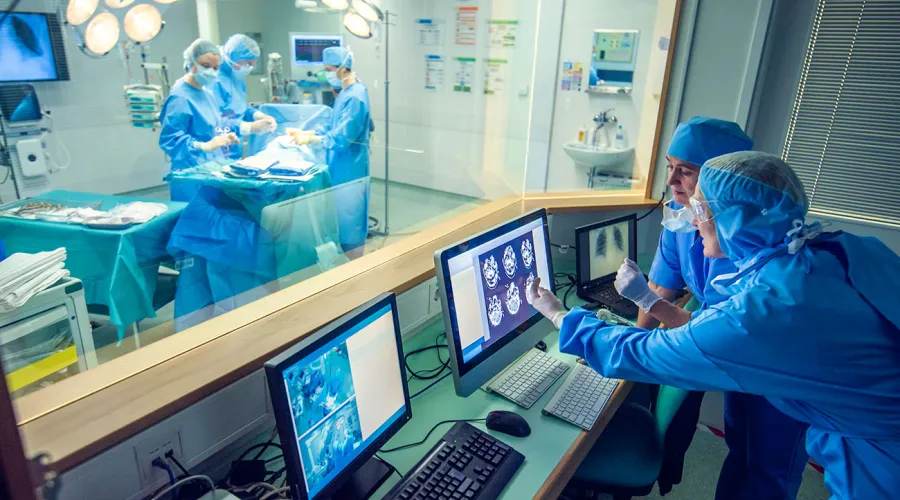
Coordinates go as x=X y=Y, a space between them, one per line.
x=465 y=464
x=608 y=296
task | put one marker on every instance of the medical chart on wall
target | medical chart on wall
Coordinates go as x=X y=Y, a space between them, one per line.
x=465 y=74
x=466 y=25
x=429 y=32
x=573 y=76
x=503 y=33
x=434 y=72
x=495 y=76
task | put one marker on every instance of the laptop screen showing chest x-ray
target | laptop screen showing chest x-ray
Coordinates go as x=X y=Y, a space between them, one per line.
x=602 y=247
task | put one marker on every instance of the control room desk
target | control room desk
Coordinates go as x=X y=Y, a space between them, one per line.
x=552 y=452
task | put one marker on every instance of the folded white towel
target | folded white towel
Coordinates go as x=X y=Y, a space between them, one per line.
x=25 y=278
x=18 y=264
x=20 y=296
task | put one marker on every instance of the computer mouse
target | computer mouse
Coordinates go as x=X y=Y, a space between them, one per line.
x=508 y=422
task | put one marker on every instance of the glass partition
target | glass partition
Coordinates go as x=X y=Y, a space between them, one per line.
x=167 y=183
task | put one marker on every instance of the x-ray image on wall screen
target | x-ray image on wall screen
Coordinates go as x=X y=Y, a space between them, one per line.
x=608 y=249
x=26 y=49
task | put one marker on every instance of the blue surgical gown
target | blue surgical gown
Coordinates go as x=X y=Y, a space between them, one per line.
x=346 y=140
x=816 y=333
x=188 y=117
x=231 y=92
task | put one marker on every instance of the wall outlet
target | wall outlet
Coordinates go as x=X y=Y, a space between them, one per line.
x=157 y=446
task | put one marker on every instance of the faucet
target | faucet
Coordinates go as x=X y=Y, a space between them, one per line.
x=601 y=119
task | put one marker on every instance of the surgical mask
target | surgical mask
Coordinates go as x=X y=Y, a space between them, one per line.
x=678 y=221
x=333 y=79
x=206 y=76
x=243 y=70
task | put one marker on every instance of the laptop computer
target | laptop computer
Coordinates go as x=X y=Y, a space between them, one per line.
x=600 y=249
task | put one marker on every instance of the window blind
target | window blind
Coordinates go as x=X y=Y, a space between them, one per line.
x=844 y=135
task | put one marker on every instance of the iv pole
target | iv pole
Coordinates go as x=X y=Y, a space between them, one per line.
x=386 y=229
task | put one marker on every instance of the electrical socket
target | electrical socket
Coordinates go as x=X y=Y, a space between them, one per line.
x=156 y=447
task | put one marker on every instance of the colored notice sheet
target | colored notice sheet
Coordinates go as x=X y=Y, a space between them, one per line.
x=429 y=32
x=466 y=25
x=495 y=76
x=503 y=33
x=434 y=72
x=573 y=76
x=465 y=74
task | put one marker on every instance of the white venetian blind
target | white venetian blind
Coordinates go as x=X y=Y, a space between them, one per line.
x=844 y=134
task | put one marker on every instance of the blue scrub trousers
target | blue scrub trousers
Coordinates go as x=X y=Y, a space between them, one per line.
x=766 y=451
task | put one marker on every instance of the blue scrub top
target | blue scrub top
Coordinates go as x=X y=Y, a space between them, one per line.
x=816 y=333
x=680 y=262
x=231 y=91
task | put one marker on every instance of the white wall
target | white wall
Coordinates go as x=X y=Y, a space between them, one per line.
x=472 y=144
x=574 y=109
x=89 y=114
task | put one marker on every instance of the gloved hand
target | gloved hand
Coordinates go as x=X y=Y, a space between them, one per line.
x=632 y=285
x=263 y=125
x=546 y=303
x=217 y=142
x=307 y=139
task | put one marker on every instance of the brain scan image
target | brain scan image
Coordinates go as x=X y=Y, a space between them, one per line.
x=491 y=272
x=609 y=249
x=528 y=282
x=509 y=261
x=513 y=301
x=527 y=254
x=495 y=310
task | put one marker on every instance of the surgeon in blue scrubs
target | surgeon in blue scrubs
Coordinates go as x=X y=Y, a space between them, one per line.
x=194 y=130
x=240 y=56
x=346 y=140
x=766 y=455
x=811 y=323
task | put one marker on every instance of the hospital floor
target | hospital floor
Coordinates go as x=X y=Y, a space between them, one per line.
x=701 y=472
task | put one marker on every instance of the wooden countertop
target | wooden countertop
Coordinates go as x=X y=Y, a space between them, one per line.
x=78 y=418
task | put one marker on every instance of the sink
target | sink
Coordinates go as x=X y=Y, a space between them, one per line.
x=592 y=156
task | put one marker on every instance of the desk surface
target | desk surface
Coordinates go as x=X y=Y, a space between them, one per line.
x=552 y=451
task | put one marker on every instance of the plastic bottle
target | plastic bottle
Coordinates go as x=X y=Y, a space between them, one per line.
x=582 y=133
x=620 y=137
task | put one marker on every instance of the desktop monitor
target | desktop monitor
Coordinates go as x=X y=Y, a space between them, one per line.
x=31 y=48
x=307 y=49
x=601 y=248
x=338 y=396
x=19 y=104
x=483 y=285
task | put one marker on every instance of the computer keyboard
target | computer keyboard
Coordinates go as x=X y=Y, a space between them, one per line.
x=465 y=464
x=609 y=297
x=582 y=397
x=525 y=381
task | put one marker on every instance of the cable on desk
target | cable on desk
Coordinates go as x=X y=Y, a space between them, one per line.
x=385 y=462
x=430 y=385
x=429 y=373
x=271 y=441
x=159 y=493
x=161 y=464
x=279 y=493
x=417 y=443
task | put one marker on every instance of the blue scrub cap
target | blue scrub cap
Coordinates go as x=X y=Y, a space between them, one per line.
x=755 y=198
x=701 y=139
x=337 y=56
x=240 y=48
x=198 y=49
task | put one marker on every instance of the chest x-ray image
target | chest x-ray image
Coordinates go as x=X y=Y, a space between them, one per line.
x=609 y=249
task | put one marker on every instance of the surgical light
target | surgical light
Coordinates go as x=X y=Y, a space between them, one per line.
x=79 y=11
x=102 y=33
x=336 y=4
x=143 y=22
x=118 y=4
x=357 y=25
x=305 y=3
x=368 y=10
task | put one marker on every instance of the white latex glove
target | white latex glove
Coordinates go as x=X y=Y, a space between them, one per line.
x=307 y=139
x=217 y=142
x=258 y=127
x=632 y=285
x=546 y=303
